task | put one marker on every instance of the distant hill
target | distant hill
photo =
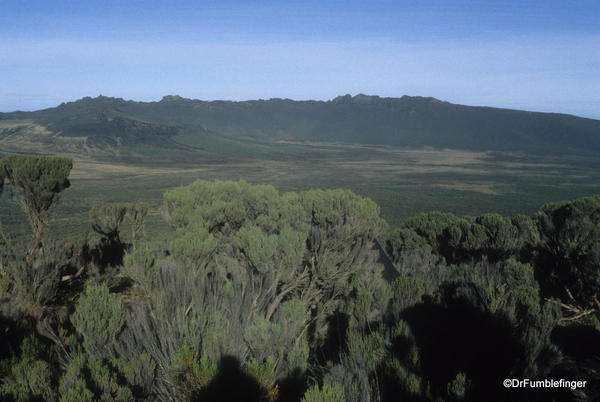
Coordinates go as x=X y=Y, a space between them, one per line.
x=99 y=120
x=407 y=121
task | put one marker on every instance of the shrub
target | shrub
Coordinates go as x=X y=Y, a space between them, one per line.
x=569 y=251
x=139 y=373
x=137 y=214
x=458 y=387
x=89 y=379
x=139 y=265
x=327 y=393
x=264 y=373
x=30 y=376
x=99 y=316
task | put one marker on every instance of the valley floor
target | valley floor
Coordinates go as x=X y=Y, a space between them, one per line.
x=403 y=182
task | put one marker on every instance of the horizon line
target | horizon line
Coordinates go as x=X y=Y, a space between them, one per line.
x=512 y=108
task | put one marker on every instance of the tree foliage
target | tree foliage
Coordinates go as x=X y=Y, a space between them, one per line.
x=255 y=274
x=107 y=219
x=38 y=180
x=29 y=376
x=326 y=393
x=569 y=251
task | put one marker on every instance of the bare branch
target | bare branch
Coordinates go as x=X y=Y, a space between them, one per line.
x=73 y=276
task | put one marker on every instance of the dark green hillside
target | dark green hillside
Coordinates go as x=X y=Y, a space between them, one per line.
x=406 y=121
x=101 y=122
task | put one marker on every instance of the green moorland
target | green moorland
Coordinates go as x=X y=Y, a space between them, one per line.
x=136 y=161
x=402 y=182
x=409 y=154
x=262 y=295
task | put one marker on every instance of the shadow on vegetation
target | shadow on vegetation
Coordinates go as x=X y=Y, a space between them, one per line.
x=389 y=272
x=292 y=387
x=335 y=341
x=12 y=333
x=231 y=384
x=578 y=341
x=108 y=253
x=459 y=337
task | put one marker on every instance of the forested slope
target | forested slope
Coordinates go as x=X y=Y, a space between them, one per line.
x=406 y=121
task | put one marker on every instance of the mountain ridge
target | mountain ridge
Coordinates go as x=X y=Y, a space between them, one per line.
x=408 y=121
x=336 y=100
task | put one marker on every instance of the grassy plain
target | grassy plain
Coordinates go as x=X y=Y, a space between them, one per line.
x=404 y=182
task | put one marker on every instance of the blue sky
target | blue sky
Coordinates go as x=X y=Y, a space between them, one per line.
x=534 y=55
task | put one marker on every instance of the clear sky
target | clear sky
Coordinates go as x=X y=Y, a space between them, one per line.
x=534 y=55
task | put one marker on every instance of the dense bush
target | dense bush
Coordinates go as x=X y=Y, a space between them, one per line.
x=99 y=316
x=251 y=274
x=569 y=251
x=265 y=296
x=530 y=278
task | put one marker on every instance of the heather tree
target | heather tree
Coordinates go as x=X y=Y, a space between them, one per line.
x=253 y=274
x=38 y=180
x=106 y=219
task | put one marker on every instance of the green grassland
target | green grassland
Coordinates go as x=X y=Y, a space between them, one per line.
x=403 y=182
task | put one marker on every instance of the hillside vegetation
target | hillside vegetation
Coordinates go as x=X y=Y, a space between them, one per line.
x=406 y=122
x=304 y=296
